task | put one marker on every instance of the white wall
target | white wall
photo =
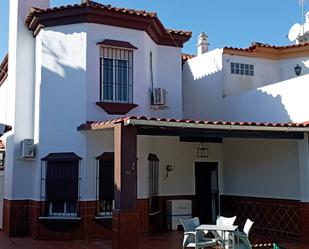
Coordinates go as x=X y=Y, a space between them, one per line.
x=98 y=142
x=21 y=77
x=181 y=155
x=273 y=94
x=282 y=102
x=261 y=168
x=265 y=72
x=203 y=86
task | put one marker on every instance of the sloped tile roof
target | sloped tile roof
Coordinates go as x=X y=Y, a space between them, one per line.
x=96 y=124
x=94 y=12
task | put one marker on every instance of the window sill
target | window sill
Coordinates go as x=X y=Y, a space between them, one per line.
x=154 y=213
x=116 y=108
x=60 y=223
x=60 y=218
x=105 y=221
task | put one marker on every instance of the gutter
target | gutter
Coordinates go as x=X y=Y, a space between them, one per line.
x=157 y=123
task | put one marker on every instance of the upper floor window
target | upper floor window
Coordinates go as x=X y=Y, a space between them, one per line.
x=116 y=75
x=242 y=69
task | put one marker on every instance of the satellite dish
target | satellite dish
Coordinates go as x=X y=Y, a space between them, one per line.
x=294 y=32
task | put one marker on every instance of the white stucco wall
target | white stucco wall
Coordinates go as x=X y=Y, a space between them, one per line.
x=182 y=156
x=203 y=86
x=273 y=94
x=282 y=102
x=265 y=72
x=261 y=168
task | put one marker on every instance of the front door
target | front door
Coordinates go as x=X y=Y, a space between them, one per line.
x=206 y=190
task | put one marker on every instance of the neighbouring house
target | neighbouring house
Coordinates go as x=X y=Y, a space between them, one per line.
x=106 y=116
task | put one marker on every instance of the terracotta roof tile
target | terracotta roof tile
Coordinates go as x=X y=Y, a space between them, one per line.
x=93 y=124
x=35 y=18
x=254 y=45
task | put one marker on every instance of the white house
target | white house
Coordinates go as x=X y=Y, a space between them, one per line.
x=105 y=127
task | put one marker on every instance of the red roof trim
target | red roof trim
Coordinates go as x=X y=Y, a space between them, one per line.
x=92 y=12
x=118 y=44
x=93 y=124
x=255 y=45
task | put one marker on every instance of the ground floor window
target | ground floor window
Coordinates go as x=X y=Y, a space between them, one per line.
x=62 y=184
x=105 y=177
x=153 y=183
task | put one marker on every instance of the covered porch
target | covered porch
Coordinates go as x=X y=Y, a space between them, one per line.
x=261 y=173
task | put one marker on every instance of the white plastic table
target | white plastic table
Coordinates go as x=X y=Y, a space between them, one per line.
x=214 y=228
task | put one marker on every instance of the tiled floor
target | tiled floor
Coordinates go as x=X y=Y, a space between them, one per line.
x=166 y=240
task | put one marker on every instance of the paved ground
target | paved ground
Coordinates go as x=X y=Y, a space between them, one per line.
x=166 y=240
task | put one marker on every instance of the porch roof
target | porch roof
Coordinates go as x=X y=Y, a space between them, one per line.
x=188 y=127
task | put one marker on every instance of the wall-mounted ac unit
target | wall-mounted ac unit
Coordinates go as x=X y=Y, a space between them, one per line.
x=159 y=96
x=27 y=149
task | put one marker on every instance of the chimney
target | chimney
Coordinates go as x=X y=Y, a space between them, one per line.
x=202 y=45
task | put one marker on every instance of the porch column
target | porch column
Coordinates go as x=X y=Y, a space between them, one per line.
x=125 y=218
x=303 y=161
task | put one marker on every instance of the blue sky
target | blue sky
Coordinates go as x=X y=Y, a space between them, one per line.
x=227 y=22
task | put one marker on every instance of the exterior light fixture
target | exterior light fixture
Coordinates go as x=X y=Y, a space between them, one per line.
x=297 y=70
x=2 y=157
x=202 y=151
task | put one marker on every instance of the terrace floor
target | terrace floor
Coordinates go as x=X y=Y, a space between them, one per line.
x=164 y=240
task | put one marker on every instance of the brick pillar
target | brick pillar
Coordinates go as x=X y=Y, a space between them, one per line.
x=125 y=216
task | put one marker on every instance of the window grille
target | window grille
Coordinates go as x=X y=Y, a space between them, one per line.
x=153 y=183
x=60 y=184
x=242 y=69
x=116 y=75
x=105 y=184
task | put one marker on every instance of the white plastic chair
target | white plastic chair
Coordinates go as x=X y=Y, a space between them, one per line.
x=243 y=237
x=195 y=238
x=225 y=221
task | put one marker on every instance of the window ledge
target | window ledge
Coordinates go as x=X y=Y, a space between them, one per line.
x=103 y=217
x=154 y=213
x=116 y=108
x=60 y=223
x=60 y=218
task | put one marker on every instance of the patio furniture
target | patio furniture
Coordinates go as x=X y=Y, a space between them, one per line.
x=226 y=238
x=243 y=237
x=224 y=221
x=195 y=238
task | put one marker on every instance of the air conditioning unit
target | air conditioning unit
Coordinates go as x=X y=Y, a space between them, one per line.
x=159 y=96
x=27 y=148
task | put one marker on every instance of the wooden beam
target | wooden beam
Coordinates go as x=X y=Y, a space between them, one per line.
x=192 y=139
x=204 y=133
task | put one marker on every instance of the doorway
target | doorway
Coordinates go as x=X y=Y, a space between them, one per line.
x=207 y=192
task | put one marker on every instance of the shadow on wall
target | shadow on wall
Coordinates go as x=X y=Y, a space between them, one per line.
x=255 y=106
